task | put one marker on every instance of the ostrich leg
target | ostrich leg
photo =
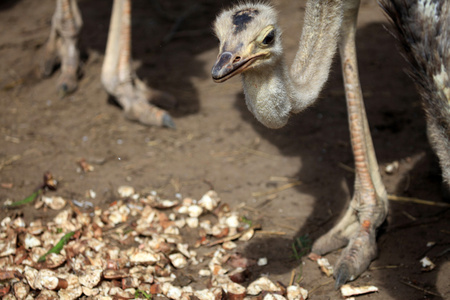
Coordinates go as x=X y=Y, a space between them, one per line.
x=61 y=46
x=368 y=207
x=121 y=81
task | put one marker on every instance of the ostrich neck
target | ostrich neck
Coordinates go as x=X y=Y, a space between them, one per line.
x=272 y=93
x=268 y=94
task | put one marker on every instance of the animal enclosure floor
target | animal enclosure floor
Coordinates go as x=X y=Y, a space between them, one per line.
x=219 y=145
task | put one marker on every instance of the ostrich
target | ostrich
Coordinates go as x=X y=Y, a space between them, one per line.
x=118 y=78
x=250 y=45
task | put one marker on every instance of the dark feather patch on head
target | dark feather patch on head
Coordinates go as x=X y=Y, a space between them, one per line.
x=242 y=18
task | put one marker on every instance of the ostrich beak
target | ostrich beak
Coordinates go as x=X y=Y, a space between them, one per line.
x=229 y=64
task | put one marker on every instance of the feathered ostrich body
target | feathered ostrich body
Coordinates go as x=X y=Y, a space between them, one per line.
x=423 y=28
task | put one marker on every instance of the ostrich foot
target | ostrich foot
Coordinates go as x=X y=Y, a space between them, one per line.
x=357 y=233
x=68 y=57
x=136 y=98
x=68 y=80
x=147 y=114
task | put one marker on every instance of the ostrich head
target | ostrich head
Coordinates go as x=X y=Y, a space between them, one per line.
x=250 y=44
x=249 y=40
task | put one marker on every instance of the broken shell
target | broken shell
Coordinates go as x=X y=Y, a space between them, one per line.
x=125 y=191
x=30 y=276
x=180 y=223
x=235 y=291
x=117 y=217
x=31 y=241
x=143 y=257
x=184 y=249
x=70 y=294
x=90 y=292
x=181 y=209
x=21 y=290
x=392 y=167
x=143 y=273
x=206 y=225
x=204 y=273
x=171 y=291
x=91 y=276
x=55 y=203
x=348 y=290
x=47 y=295
x=36 y=227
x=47 y=279
x=6 y=221
x=195 y=211
x=192 y=222
x=8 y=246
x=209 y=201
x=162 y=204
x=325 y=266
x=63 y=216
x=294 y=292
x=260 y=285
x=172 y=230
x=262 y=261
x=220 y=280
x=72 y=279
x=174 y=292
x=120 y=293
x=273 y=297
x=205 y=295
x=54 y=260
x=232 y=221
x=247 y=236
x=18 y=223
x=98 y=245
x=38 y=204
x=229 y=245
x=178 y=260
x=427 y=264
x=115 y=274
x=105 y=287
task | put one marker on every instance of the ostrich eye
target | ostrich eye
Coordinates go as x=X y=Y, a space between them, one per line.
x=269 y=38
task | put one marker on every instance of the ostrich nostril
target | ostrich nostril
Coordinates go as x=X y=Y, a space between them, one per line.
x=236 y=59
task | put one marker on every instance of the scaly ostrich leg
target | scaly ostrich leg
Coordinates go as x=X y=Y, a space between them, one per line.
x=61 y=46
x=369 y=205
x=121 y=81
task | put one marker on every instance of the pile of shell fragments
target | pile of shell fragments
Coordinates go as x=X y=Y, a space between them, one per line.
x=132 y=250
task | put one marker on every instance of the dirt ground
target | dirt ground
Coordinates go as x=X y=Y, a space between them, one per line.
x=218 y=144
